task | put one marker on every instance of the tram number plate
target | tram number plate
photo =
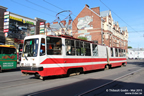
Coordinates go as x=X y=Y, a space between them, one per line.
x=27 y=64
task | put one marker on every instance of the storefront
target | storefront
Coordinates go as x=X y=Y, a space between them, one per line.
x=16 y=27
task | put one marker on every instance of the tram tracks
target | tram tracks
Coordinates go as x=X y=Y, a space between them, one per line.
x=106 y=84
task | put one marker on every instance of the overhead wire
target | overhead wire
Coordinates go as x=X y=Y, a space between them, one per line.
x=55 y=6
x=42 y=7
x=60 y=9
x=32 y=8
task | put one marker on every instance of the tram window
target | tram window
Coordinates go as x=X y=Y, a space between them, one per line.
x=54 y=46
x=70 y=49
x=77 y=43
x=82 y=48
x=116 y=52
x=95 y=50
x=42 y=48
x=87 y=49
x=72 y=43
x=120 y=53
x=111 y=52
x=79 y=48
x=124 y=53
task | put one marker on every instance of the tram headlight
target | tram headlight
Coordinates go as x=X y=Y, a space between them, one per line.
x=22 y=64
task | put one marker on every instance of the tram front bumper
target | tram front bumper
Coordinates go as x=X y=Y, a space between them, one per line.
x=32 y=68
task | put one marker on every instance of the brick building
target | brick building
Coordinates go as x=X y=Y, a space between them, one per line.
x=100 y=27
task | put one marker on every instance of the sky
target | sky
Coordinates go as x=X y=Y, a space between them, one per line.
x=128 y=13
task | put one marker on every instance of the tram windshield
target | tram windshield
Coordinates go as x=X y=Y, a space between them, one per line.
x=30 y=48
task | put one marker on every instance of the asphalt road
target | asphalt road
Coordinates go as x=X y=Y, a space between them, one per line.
x=13 y=83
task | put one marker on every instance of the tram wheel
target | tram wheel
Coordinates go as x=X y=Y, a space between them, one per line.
x=37 y=76
x=123 y=64
x=106 y=67
x=78 y=71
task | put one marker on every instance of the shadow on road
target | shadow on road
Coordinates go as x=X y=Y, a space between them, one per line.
x=117 y=88
x=139 y=63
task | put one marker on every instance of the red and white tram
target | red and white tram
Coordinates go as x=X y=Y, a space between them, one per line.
x=58 y=55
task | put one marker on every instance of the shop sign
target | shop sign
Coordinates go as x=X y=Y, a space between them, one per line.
x=42 y=27
x=6 y=16
x=41 y=23
x=6 y=30
x=15 y=18
x=6 y=27
x=21 y=20
x=6 y=19
x=25 y=21
x=18 y=41
x=6 y=13
x=6 y=23
x=41 y=30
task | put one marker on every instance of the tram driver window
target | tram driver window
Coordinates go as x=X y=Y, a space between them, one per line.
x=54 y=46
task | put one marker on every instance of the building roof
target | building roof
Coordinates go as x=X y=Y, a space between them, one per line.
x=123 y=28
x=104 y=13
x=2 y=7
x=56 y=27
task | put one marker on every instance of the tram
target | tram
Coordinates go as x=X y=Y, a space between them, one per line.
x=64 y=55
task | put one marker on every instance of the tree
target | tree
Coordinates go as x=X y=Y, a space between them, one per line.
x=129 y=47
x=83 y=38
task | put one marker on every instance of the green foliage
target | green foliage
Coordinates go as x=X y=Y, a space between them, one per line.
x=83 y=38
x=129 y=47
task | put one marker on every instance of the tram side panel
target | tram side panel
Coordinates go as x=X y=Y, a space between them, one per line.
x=116 y=58
x=101 y=60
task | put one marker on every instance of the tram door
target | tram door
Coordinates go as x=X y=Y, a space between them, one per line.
x=107 y=54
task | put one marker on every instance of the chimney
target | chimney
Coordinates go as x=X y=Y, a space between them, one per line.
x=55 y=22
x=47 y=24
x=86 y=5
x=64 y=22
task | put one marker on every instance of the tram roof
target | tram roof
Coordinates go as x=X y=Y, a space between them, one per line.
x=59 y=36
